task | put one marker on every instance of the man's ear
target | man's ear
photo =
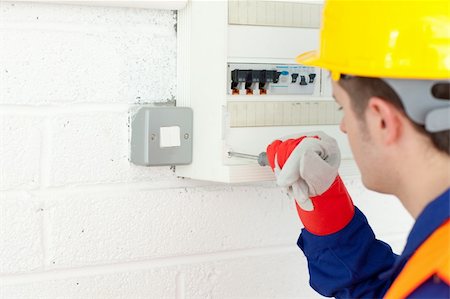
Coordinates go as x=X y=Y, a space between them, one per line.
x=385 y=119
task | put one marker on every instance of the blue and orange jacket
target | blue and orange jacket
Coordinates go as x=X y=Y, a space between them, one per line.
x=352 y=263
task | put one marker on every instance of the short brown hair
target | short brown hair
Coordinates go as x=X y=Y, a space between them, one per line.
x=361 y=89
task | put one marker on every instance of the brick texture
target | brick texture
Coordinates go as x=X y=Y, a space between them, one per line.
x=20 y=152
x=99 y=227
x=20 y=234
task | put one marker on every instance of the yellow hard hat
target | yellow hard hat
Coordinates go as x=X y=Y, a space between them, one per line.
x=384 y=38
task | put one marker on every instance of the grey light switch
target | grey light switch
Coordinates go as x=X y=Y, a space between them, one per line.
x=161 y=136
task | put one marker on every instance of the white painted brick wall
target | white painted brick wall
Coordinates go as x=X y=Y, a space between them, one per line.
x=93 y=145
x=20 y=168
x=85 y=55
x=21 y=247
x=151 y=283
x=162 y=223
x=77 y=220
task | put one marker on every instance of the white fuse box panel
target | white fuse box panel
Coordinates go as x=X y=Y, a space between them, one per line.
x=236 y=69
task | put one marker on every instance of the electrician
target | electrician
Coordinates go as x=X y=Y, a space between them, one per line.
x=390 y=69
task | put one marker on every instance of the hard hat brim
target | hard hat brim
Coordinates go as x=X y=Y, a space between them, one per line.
x=312 y=58
x=309 y=58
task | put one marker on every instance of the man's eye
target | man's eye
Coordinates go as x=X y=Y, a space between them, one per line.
x=339 y=108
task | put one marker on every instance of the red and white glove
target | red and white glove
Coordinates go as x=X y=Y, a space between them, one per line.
x=308 y=167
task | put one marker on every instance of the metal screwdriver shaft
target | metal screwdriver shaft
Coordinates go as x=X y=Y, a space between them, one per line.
x=261 y=158
x=241 y=155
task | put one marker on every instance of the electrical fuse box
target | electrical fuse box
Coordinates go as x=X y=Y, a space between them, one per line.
x=253 y=91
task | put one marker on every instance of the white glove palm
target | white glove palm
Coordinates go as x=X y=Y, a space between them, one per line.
x=310 y=169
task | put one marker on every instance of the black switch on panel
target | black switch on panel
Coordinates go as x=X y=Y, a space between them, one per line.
x=248 y=79
x=270 y=76
x=303 y=80
x=311 y=78
x=262 y=81
x=255 y=75
x=263 y=77
x=294 y=77
x=274 y=75
x=240 y=75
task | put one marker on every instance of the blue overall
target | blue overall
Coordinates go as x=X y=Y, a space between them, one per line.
x=351 y=263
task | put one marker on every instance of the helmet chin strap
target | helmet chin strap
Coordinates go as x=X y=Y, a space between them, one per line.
x=420 y=103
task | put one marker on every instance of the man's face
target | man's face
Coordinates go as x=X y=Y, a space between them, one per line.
x=364 y=149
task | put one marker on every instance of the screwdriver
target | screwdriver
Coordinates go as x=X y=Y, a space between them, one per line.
x=261 y=158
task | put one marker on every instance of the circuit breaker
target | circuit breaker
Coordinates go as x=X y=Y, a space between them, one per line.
x=237 y=71
x=258 y=96
x=275 y=79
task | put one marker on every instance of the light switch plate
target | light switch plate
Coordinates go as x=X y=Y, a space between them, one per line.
x=170 y=136
x=147 y=124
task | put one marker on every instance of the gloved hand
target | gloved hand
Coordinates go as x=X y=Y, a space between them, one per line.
x=308 y=167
